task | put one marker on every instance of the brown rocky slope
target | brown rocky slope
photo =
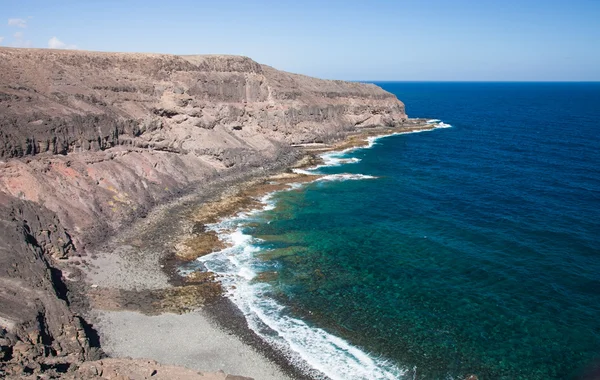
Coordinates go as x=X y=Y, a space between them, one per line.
x=91 y=140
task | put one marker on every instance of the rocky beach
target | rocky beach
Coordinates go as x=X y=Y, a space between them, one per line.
x=111 y=166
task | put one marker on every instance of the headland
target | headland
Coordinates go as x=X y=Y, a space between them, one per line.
x=111 y=165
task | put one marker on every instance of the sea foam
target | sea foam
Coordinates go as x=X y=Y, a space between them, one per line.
x=310 y=348
x=435 y=123
x=345 y=177
x=336 y=159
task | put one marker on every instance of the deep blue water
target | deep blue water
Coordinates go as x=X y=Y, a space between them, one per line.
x=475 y=250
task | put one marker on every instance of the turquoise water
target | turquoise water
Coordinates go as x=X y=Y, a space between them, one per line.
x=466 y=250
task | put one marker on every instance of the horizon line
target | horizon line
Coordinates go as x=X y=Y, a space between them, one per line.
x=472 y=81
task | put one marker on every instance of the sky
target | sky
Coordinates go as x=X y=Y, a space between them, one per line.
x=427 y=40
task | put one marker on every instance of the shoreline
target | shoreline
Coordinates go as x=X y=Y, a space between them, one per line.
x=177 y=232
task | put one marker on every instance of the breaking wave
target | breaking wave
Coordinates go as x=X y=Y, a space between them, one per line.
x=345 y=177
x=310 y=348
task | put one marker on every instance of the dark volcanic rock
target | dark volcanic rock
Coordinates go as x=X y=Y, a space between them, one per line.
x=37 y=328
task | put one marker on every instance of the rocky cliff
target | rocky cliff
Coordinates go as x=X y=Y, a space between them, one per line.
x=38 y=330
x=114 y=133
x=90 y=140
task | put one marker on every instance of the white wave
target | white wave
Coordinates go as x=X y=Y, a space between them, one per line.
x=437 y=123
x=296 y=185
x=336 y=159
x=345 y=177
x=308 y=347
x=239 y=239
x=268 y=202
x=329 y=159
x=371 y=141
x=327 y=353
x=304 y=171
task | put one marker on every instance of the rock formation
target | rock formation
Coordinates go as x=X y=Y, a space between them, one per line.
x=91 y=140
x=38 y=331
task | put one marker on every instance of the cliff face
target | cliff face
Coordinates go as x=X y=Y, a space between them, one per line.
x=68 y=101
x=38 y=330
x=115 y=132
x=88 y=140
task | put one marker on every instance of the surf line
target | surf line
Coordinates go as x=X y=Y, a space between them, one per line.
x=311 y=349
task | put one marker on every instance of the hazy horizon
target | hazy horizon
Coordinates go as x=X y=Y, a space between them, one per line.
x=436 y=40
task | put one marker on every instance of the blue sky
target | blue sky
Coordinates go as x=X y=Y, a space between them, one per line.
x=353 y=40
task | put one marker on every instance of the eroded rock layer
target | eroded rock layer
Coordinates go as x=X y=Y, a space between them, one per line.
x=115 y=132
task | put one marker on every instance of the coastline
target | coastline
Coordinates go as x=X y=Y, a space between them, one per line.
x=173 y=304
x=96 y=140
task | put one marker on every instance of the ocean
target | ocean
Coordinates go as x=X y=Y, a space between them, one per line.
x=467 y=250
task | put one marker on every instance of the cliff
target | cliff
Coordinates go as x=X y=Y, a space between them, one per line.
x=115 y=132
x=91 y=140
